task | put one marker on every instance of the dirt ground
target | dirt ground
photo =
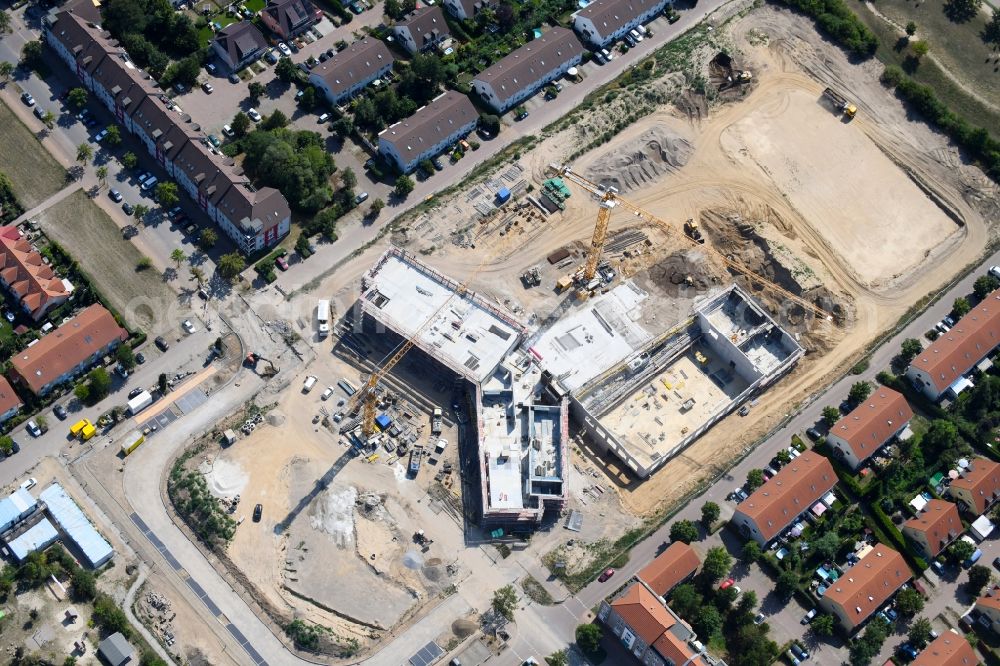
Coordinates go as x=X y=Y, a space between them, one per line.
x=35 y=174
x=140 y=296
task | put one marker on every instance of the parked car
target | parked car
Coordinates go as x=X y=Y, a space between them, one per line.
x=128 y=208
x=211 y=68
x=258 y=511
x=282 y=263
x=323 y=118
x=140 y=358
x=729 y=582
x=629 y=40
x=9 y=316
x=33 y=428
x=361 y=198
x=115 y=195
x=271 y=57
x=327 y=393
x=134 y=392
x=607 y=55
x=30 y=483
x=27 y=98
x=907 y=651
x=188 y=326
x=208 y=88
x=608 y=573
x=254 y=116
x=149 y=183
x=798 y=651
x=759 y=619
x=814 y=434
x=808 y=617
x=521 y=115
x=634 y=34
x=233 y=78
x=161 y=344
x=59 y=411
x=285 y=51
x=100 y=135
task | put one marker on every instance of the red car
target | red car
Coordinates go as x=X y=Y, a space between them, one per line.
x=282 y=263
x=729 y=582
x=608 y=573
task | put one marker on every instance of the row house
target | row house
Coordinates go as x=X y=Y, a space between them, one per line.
x=29 y=279
x=605 y=21
x=346 y=74
x=421 y=30
x=449 y=117
x=977 y=487
x=10 y=402
x=933 y=528
x=288 y=18
x=467 y=9
x=882 y=417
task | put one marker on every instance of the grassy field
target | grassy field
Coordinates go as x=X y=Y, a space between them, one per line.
x=966 y=63
x=35 y=174
x=84 y=230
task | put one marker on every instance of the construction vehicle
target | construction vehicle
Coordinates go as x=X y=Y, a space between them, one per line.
x=251 y=362
x=416 y=454
x=840 y=102
x=692 y=231
x=607 y=194
x=436 y=421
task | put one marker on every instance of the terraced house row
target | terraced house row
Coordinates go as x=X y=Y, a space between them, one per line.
x=254 y=218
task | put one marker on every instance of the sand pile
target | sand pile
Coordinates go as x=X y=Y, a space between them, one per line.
x=656 y=151
x=333 y=513
x=224 y=477
x=276 y=418
x=463 y=628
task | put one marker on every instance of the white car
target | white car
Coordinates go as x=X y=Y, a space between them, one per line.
x=188 y=326
x=149 y=183
x=254 y=116
x=30 y=483
x=9 y=316
x=283 y=47
x=327 y=393
x=100 y=135
x=607 y=55
x=34 y=429
x=227 y=130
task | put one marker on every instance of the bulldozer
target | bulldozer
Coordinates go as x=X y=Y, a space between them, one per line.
x=253 y=358
x=692 y=231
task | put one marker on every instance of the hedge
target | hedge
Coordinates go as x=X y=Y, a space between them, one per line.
x=887 y=530
x=838 y=22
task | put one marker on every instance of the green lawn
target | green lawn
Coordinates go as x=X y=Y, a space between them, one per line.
x=930 y=74
x=255 y=5
x=34 y=173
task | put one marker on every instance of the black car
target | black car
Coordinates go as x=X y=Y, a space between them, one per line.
x=134 y=392
x=814 y=434
x=128 y=208
x=233 y=78
x=257 y=511
x=60 y=412
x=161 y=344
x=139 y=358
x=323 y=57
x=15 y=447
x=996 y=562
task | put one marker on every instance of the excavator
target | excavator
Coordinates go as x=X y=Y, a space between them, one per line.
x=251 y=362
x=609 y=198
x=692 y=231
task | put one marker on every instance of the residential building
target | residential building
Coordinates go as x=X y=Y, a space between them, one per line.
x=934 y=527
x=28 y=278
x=862 y=590
x=449 y=117
x=68 y=351
x=421 y=29
x=253 y=219
x=652 y=632
x=672 y=567
x=115 y=650
x=523 y=72
x=467 y=9
x=604 y=21
x=288 y=18
x=939 y=370
x=239 y=44
x=16 y=507
x=977 y=486
x=10 y=402
x=869 y=426
x=948 y=649
x=345 y=74
x=795 y=489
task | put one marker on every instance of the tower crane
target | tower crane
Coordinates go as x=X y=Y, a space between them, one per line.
x=610 y=196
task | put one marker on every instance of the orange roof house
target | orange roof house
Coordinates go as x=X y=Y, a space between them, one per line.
x=978 y=487
x=865 y=587
x=26 y=275
x=672 y=567
x=937 y=525
x=870 y=425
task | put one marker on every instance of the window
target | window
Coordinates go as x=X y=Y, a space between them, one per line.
x=628 y=638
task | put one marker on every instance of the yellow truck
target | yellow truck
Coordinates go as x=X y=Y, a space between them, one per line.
x=83 y=429
x=131 y=442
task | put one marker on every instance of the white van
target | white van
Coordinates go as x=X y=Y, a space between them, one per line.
x=308 y=384
x=149 y=183
x=995 y=271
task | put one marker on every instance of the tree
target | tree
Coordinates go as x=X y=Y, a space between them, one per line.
x=826 y=545
x=983 y=286
x=6 y=70
x=256 y=90
x=709 y=513
x=161 y=382
x=102 y=174
x=166 y=194
x=991 y=33
x=961 y=11
x=231 y=265
x=979 y=577
x=911 y=29
x=404 y=185
x=240 y=125
x=961 y=306
x=140 y=212
x=505 y=601
x=859 y=391
x=48 y=119
x=909 y=602
x=920 y=48
x=786 y=584
x=114 y=136
x=83 y=153
x=751 y=551
x=686 y=600
x=32 y=54
x=683 y=530
x=490 y=123
x=207 y=239
x=308 y=100
x=97 y=385
x=717 y=563
x=125 y=356
x=4 y=22
x=822 y=625
x=42 y=421
x=77 y=98
x=708 y=621
x=557 y=659
x=909 y=349
x=144 y=264
x=285 y=70
x=276 y=120
x=343 y=127
x=588 y=637
x=197 y=275
x=6 y=444
x=348 y=179
x=84 y=584
x=377 y=206
x=129 y=160
x=783 y=456
x=178 y=256
x=830 y=415
x=961 y=550
x=920 y=632
x=755 y=479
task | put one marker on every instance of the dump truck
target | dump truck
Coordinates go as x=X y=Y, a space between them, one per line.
x=131 y=442
x=840 y=102
x=436 y=421
x=692 y=231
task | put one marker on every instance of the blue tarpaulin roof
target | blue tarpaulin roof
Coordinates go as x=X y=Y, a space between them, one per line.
x=71 y=519
x=382 y=421
x=38 y=537
x=14 y=508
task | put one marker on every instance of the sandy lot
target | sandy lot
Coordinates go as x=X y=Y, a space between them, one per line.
x=864 y=206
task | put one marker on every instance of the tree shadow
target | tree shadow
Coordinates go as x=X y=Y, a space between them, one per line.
x=901 y=44
x=910 y=64
x=169 y=274
x=198 y=258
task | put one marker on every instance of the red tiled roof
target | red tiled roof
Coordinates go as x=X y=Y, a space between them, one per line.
x=872 y=423
x=672 y=566
x=991 y=599
x=939 y=522
x=863 y=588
x=609 y=16
x=948 y=649
x=957 y=351
x=643 y=612
x=30 y=279
x=8 y=398
x=672 y=648
x=982 y=480
x=794 y=489
x=67 y=347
